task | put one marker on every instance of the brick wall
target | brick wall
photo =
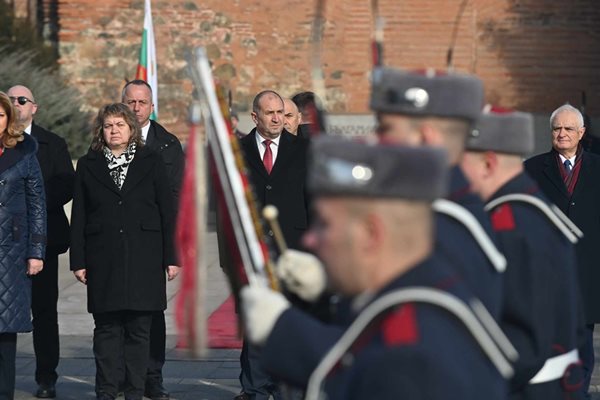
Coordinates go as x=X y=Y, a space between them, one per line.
x=532 y=54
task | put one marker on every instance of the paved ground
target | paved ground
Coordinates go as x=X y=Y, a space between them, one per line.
x=212 y=378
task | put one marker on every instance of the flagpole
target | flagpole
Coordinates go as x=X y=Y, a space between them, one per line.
x=146 y=69
x=199 y=344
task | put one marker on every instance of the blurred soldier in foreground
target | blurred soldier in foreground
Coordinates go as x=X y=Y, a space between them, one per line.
x=374 y=232
x=540 y=312
x=568 y=175
x=437 y=109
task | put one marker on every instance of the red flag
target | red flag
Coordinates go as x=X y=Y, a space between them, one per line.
x=189 y=234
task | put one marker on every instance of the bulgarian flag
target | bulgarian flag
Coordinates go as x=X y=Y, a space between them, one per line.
x=146 y=69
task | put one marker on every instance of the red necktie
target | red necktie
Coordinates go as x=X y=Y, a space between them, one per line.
x=268 y=157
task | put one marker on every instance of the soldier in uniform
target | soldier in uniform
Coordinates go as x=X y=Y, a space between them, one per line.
x=540 y=309
x=437 y=109
x=374 y=231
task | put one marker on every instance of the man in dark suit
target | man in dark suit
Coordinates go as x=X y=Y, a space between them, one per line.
x=568 y=175
x=137 y=95
x=57 y=170
x=276 y=163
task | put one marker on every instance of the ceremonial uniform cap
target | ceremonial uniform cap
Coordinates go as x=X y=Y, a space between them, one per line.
x=426 y=93
x=503 y=131
x=340 y=167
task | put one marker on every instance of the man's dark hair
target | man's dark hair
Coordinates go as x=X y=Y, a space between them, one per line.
x=256 y=101
x=136 y=82
x=303 y=99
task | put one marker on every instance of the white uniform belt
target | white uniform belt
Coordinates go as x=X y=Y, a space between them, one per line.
x=555 y=367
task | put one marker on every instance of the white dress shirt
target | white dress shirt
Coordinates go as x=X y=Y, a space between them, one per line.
x=262 y=148
x=145 y=130
x=563 y=159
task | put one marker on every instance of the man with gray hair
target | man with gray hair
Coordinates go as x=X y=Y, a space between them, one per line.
x=568 y=176
x=292 y=118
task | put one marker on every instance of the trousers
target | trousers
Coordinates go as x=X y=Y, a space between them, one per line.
x=8 y=354
x=44 y=299
x=122 y=338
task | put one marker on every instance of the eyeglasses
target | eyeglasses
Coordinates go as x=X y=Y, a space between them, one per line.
x=22 y=100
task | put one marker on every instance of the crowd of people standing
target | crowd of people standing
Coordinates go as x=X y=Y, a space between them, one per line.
x=429 y=262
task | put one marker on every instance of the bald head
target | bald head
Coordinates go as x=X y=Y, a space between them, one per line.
x=24 y=102
x=292 y=116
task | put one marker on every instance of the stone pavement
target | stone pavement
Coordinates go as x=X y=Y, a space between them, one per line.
x=214 y=377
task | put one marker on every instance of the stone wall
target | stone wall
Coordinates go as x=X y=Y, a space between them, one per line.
x=532 y=54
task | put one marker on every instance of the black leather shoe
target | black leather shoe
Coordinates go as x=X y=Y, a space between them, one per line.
x=242 y=396
x=157 y=392
x=46 y=391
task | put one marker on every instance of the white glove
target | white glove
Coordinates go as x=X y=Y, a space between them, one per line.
x=262 y=307
x=302 y=273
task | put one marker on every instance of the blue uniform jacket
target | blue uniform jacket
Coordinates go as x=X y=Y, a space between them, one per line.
x=541 y=309
x=414 y=351
x=455 y=244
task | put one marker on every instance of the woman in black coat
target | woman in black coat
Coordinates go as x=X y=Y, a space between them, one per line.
x=22 y=236
x=121 y=246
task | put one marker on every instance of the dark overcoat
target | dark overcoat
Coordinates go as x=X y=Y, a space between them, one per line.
x=57 y=170
x=583 y=208
x=168 y=146
x=123 y=238
x=22 y=232
x=285 y=187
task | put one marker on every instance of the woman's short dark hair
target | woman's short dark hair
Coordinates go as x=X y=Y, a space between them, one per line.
x=115 y=110
x=14 y=130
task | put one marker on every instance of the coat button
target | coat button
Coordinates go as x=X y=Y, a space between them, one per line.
x=2 y=182
x=121 y=230
x=269 y=187
x=573 y=203
x=120 y=202
x=270 y=233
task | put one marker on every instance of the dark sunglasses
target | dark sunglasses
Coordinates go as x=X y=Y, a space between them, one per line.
x=22 y=100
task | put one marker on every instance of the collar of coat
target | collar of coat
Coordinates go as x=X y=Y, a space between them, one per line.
x=158 y=136
x=28 y=146
x=143 y=163
x=285 y=152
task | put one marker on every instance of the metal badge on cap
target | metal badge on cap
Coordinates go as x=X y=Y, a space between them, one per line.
x=348 y=173
x=417 y=96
